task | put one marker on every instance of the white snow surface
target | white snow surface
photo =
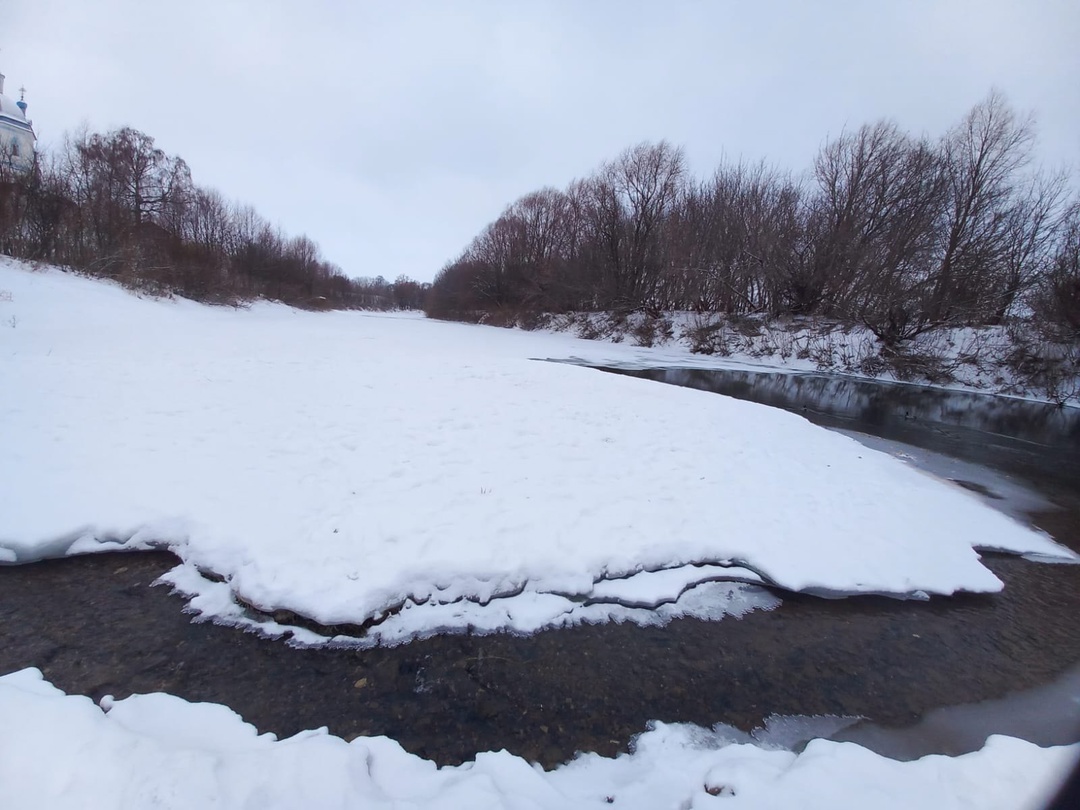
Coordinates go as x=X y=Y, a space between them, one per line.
x=156 y=750
x=344 y=464
x=527 y=612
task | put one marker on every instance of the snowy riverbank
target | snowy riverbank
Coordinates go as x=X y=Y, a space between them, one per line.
x=986 y=359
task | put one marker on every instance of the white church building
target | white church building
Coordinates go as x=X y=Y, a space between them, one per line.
x=16 y=132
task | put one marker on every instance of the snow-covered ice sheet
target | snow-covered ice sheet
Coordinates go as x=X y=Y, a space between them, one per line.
x=343 y=465
x=526 y=612
x=649 y=589
x=59 y=751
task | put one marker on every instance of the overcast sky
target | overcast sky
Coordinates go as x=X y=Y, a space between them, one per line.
x=392 y=132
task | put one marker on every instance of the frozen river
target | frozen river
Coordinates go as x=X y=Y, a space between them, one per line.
x=95 y=627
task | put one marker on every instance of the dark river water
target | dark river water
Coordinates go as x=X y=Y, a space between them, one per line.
x=933 y=676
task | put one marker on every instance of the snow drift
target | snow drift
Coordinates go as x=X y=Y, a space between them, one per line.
x=157 y=750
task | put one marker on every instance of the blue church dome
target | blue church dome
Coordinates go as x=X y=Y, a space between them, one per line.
x=16 y=131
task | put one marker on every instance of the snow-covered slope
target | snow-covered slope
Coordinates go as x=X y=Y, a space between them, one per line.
x=160 y=751
x=342 y=464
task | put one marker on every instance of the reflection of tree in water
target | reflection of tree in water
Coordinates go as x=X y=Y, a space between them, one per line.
x=879 y=403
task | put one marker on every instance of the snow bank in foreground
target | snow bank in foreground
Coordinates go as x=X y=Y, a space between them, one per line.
x=343 y=465
x=157 y=750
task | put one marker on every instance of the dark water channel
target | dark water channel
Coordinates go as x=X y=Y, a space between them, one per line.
x=1019 y=456
x=95 y=627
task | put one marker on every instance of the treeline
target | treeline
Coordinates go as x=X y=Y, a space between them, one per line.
x=114 y=205
x=899 y=233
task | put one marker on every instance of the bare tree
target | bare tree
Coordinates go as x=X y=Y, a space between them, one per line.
x=1056 y=299
x=1033 y=224
x=982 y=158
x=880 y=195
x=628 y=202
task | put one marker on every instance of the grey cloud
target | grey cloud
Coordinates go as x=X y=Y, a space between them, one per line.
x=391 y=133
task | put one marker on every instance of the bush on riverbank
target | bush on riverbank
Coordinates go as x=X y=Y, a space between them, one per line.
x=114 y=205
x=904 y=241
